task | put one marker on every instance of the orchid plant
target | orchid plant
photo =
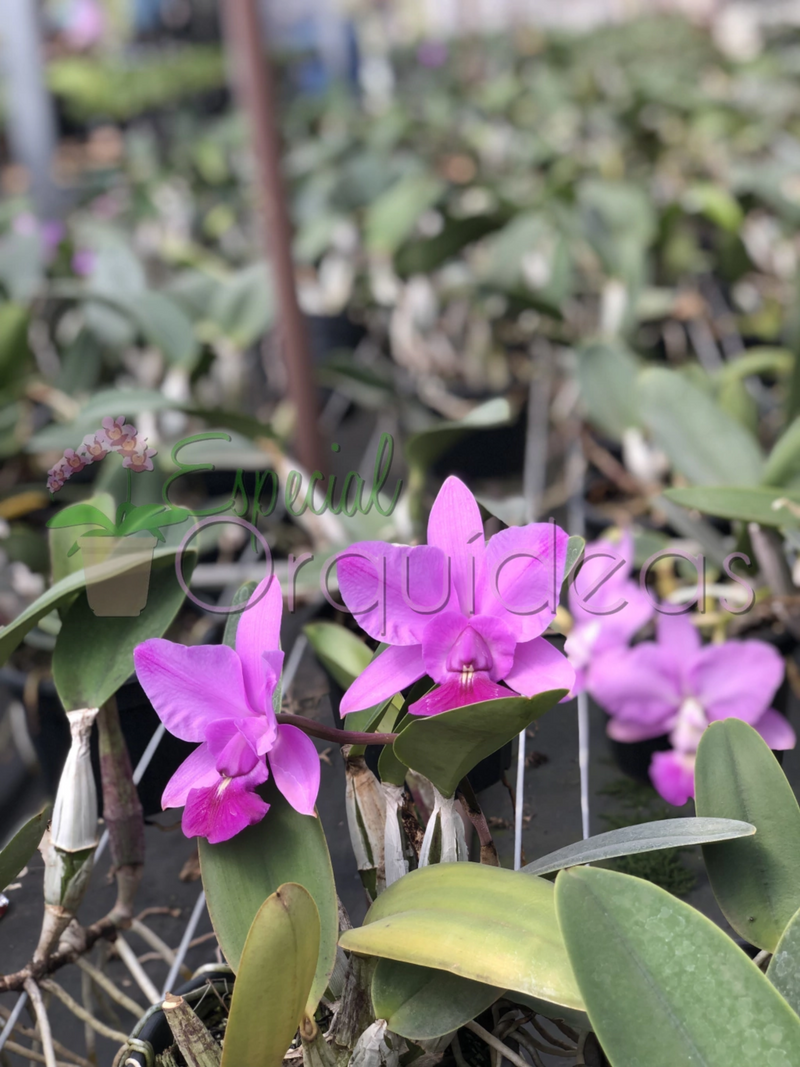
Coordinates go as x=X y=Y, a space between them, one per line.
x=120 y=437
x=453 y=951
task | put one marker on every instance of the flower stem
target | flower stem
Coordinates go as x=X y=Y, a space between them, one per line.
x=331 y=733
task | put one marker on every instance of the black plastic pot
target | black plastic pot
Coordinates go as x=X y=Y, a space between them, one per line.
x=51 y=739
x=151 y=1036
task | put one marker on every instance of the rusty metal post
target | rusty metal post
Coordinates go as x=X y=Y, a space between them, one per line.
x=255 y=86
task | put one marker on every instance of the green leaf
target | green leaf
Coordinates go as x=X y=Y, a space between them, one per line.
x=663 y=985
x=424 y=448
x=607 y=379
x=575 y=548
x=767 y=507
x=715 y=203
x=343 y=654
x=275 y=975
x=756 y=880
x=243 y=305
x=421 y=1003
x=702 y=442
x=16 y=854
x=783 y=462
x=238 y=875
x=646 y=837
x=61 y=542
x=151 y=517
x=166 y=326
x=241 y=596
x=784 y=967
x=446 y=747
x=62 y=591
x=15 y=353
x=777 y=362
x=80 y=515
x=93 y=654
x=391 y=217
x=483 y=923
x=390 y=768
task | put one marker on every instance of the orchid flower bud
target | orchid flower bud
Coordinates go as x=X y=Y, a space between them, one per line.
x=69 y=844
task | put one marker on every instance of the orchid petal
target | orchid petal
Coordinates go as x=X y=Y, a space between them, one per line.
x=455 y=526
x=387 y=674
x=539 y=667
x=197 y=771
x=737 y=679
x=776 y=730
x=672 y=773
x=457 y=694
x=221 y=811
x=642 y=684
x=272 y=666
x=190 y=687
x=678 y=633
x=523 y=576
x=393 y=590
x=234 y=751
x=629 y=730
x=295 y=767
x=259 y=631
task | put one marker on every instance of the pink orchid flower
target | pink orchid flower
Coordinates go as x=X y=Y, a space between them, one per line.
x=469 y=613
x=139 y=460
x=95 y=446
x=73 y=462
x=57 y=475
x=223 y=699
x=677 y=686
x=608 y=606
x=117 y=431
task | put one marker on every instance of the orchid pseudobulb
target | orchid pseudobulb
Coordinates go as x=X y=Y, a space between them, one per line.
x=222 y=698
x=466 y=612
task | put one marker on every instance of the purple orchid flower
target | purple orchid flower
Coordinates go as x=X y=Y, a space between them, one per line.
x=469 y=613
x=223 y=699
x=677 y=686
x=608 y=607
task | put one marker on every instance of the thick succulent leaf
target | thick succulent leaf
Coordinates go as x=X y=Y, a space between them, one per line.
x=783 y=462
x=238 y=876
x=756 y=880
x=341 y=652
x=701 y=440
x=767 y=507
x=607 y=379
x=483 y=923
x=663 y=985
x=446 y=747
x=15 y=855
x=275 y=976
x=784 y=967
x=646 y=837
x=422 y=1003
